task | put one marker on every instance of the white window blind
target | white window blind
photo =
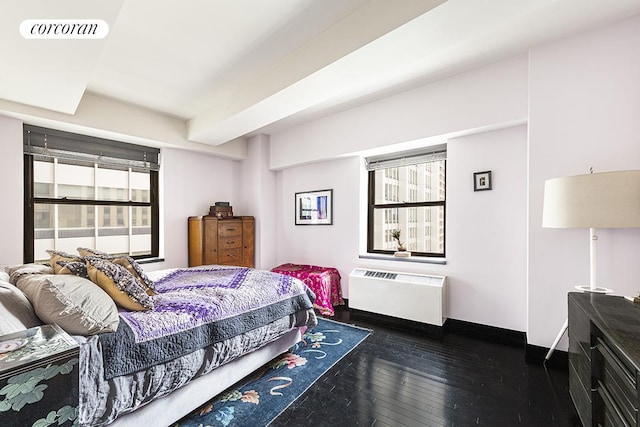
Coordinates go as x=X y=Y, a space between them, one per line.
x=406 y=159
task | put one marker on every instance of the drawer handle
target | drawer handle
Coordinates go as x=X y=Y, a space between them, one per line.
x=231 y=229
x=616 y=365
x=230 y=242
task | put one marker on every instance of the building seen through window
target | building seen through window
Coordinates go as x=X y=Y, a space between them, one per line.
x=409 y=198
x=118 y=229
x=89 y=192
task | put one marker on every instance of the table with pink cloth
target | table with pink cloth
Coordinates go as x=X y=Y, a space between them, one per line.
x=323 y=281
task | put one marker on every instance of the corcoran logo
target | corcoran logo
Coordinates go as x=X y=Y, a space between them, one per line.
x=64 y=29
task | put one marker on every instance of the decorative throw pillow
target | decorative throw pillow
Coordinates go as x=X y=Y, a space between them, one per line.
x=16 y=312
x=77 y=268
x=134 y=268
x=127 y=262
x=60 y=256
x=84 y=252
x=74 y=303
x=121 y=285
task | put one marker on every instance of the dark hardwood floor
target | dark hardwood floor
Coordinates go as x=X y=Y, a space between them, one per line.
x=402 y=378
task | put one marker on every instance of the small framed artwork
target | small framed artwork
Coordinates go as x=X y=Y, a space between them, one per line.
x=314 y=207
x=482 y=181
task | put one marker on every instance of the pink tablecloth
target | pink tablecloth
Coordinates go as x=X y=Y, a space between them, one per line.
x=323 y=281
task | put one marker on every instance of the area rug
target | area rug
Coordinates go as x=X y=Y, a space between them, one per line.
x=261 y=397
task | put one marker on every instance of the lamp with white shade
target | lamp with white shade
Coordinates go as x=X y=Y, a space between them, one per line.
x=595 y=200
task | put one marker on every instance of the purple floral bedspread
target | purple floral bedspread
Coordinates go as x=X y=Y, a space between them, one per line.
x=196 y=307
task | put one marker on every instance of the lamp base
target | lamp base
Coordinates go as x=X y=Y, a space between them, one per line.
x=596 y=290
x=583 y=288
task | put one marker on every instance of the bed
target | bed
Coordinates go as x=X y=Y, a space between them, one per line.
x=158 y=347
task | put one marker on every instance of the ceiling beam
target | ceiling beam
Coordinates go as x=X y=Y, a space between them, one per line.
x=258 y=102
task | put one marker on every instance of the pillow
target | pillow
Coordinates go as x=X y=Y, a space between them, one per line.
x=75 y=304
x=17 y=271
x=77 y=268
x=4 y=276
x=134 y=268
x=16 y=312
x=93 y=252
x=121 y=285
x=60 y=256
x=127 y=262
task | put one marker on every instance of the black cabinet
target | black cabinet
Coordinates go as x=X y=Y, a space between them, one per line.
x=39 y=378
x=604 y=359
x=580 y=361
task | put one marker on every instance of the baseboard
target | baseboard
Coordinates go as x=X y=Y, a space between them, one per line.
x=397 y=323
x=535 y=355
x=487 y=333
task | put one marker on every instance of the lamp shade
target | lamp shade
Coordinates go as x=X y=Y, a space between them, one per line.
x=596 y=200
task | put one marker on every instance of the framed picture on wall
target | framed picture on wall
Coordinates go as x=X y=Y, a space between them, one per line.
x=314 y=207
x=482 y=181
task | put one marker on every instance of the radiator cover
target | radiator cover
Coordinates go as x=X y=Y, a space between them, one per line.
x=410 y=296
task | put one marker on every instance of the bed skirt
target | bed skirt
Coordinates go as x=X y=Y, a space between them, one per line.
x=165 y=411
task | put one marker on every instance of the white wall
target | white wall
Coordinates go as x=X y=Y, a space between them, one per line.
x=258 y=197
x=486 y=240
x=486 y=231
x=492 y=95
x=327 y=245
x=584 y=111
x=192 y=182
x=12 y=212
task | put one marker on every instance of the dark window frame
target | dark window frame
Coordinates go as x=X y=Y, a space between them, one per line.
x=30 y=201
x=372 y=206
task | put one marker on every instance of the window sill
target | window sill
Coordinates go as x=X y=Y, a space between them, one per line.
x=423 y=260
x=149 y=260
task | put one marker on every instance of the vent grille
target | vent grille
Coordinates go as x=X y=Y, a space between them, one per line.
x=381 y=275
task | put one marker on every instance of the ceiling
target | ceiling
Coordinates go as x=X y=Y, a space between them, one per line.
x=228 y=69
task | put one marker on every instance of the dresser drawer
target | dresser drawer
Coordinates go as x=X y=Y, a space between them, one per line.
x=230 y=228
x=612 y=414
x=581 y=395
x=580 y=359
x=579 y=327
x=618 y=382
x=229 y=242
x=230 y=256
x=624 y=404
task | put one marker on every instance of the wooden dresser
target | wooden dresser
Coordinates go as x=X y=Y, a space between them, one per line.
x=604 y=359
x=221 y=241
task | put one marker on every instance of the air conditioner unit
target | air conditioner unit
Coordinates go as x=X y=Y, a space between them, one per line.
x=410 y=296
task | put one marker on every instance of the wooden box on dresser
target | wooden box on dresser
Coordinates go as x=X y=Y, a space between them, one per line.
x=222 y=241
x=604 y=359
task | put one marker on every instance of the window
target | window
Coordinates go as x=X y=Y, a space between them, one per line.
x=407 y=193
x=82 y=191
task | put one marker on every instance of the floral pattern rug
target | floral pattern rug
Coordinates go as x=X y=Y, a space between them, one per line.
x=261 y=397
